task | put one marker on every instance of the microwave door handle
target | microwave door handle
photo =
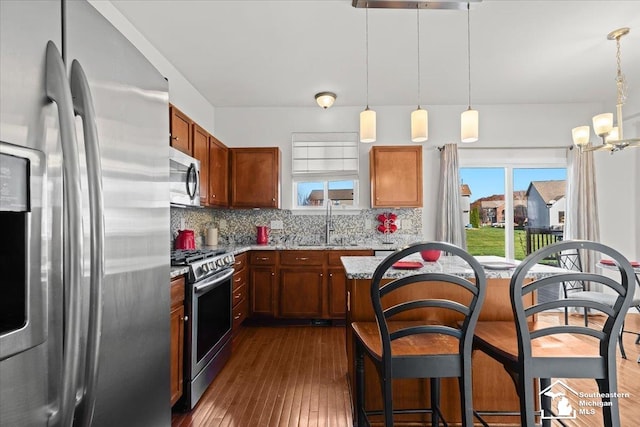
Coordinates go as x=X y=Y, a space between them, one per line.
x=58 y=91
x=192 y=181
x=83 y=106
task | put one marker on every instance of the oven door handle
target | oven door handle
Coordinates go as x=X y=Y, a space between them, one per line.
x=213 y=281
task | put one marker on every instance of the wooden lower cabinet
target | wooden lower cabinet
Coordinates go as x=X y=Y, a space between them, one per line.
x=337 y=287
x=177 y=337
x=262 y=283
x=337 y=281
x=300 y=292
x=299 y=284
x=240 y=296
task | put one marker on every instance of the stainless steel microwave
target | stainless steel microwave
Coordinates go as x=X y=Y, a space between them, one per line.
x=184 y=179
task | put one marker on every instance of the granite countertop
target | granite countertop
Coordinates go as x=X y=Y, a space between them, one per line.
x=175 y=271
x=363 y=267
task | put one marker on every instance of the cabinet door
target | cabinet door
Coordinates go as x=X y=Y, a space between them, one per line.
x=263 y=291
x=218 y=173
x=396 y=176
x=255 y=177
x=177 y=342
x=180 y=129
x=337 y=283
x=201 y=152
x=301 y=292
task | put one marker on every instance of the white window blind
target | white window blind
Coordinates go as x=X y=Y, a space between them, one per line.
x=324 y=152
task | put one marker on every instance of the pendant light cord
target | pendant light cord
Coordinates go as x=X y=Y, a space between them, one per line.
x=367 y=49
x=469 y=50
x=418 y=56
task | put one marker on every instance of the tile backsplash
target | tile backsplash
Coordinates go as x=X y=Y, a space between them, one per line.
x=237 y=226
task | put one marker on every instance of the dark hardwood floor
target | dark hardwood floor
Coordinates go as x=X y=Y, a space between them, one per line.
x=296 y=376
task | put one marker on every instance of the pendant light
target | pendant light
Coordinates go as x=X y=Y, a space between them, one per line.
x=469 y=119
x=419 y=117
x=368 y=116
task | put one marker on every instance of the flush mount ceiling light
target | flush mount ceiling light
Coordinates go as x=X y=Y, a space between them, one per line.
x=469 y=119
x=419 y=117
x=413 y=4
x=612 y=136
x=325 y=99
x=367 y=117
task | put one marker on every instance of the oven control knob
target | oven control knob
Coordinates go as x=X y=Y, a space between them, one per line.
x=220 y=262
x=204 y=268
x=212 y=265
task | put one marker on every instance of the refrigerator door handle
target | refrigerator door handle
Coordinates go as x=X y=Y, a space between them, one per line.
x=83 y=106
x=57 y=90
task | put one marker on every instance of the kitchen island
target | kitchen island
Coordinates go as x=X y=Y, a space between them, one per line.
x=493 y=389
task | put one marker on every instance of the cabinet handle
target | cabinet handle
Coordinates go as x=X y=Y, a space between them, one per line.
x=273 y=274
x=237 y=317
x=302 y=259
x=213 y=195
x=320 y=274
x=185 y=318
x=175 y=137
x=238 y=279
x=238 y=296
x=262 y=258
x=330 y=274
x=348 y=300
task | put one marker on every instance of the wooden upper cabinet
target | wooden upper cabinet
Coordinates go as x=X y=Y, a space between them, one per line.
x=201 y=152
x=218 y=173
x=396 y=176
x=255 y=177
x=180 y=128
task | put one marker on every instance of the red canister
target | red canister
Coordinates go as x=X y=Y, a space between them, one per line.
x=262 y=234
x=185 y=240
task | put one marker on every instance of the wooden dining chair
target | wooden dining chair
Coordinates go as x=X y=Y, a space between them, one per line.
x=532 y=349
x=415 y=333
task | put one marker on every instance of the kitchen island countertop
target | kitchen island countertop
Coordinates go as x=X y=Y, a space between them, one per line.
x=362 y=267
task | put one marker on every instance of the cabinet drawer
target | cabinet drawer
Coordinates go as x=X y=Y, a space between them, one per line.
x=177 y=291
x=241 y=261
x=239 y=294
x=334 y=256
x=239 y=279
x=240 y=312
x=302 y=258
x=263 y=257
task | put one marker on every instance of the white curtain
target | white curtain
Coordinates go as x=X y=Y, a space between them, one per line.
x=449 y=226
x=581 y=217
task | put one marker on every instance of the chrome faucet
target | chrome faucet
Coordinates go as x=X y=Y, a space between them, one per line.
x=328 y=222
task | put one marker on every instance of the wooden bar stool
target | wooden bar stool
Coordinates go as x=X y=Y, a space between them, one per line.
x=415 y=335
x=530 y=349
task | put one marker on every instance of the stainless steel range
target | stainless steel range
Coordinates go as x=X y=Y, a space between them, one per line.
x=207 y=319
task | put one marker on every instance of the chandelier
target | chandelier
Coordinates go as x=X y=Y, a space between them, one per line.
x=612 y=136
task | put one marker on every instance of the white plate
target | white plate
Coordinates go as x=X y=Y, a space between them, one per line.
x=498 y=265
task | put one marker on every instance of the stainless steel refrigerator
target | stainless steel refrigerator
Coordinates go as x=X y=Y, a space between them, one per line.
x=84 y=214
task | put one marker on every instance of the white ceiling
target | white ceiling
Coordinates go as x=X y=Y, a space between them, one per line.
x=280 y=53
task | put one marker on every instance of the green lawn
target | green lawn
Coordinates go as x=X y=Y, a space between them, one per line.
x=490 y=241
